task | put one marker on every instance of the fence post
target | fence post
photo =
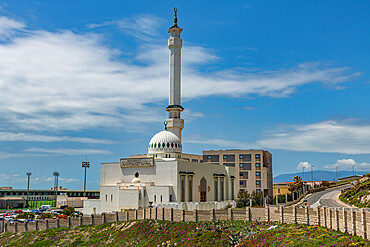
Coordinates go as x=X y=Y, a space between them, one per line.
x=16 y=227
x=295 y=214
x=319 y=216
x=363 y=223
x=337 y=219
x=281 y=214
x=144 y=213
x=195 y=215
x=354 y=230
x=5 y=227
x=36 y=225
x=345 y=225
x=268 y=213
x=212 y=214
x=81 y=221
x=26 y=226
x=135 y=214
x=325 y=218
x=248 y=213
x=47 y=224
x=69 y=222
x=183 y=214
x=127 y=216
x=92 y=219
x=229 y=214
x=307 y=215
x=330 y=219
x=117 y=217
x=58 y=223
x=171 y=214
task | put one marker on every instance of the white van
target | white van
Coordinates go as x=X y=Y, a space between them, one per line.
x=45 y=207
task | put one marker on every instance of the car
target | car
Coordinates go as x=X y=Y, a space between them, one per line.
x=62 y=216
x=18 y=211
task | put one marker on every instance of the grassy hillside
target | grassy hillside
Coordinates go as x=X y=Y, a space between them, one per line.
x=165 y=233
x=359 y=195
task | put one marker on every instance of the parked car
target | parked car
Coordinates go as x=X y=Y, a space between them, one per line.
x=45 y=207
x=18 y=211
x=62 y=216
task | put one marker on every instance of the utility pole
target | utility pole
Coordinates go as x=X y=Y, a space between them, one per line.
x=85 y=164
x=313 y=184
x=56 y=175
x=336 y=174
x=28 y=187
x=303 y=179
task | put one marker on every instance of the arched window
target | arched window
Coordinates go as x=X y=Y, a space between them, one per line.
x=168 y=145
x=172 y=144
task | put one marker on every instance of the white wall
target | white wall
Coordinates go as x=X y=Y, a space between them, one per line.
x=90 y=205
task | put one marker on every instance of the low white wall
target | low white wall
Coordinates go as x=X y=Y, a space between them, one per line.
x=198 y=205
x=91 y=206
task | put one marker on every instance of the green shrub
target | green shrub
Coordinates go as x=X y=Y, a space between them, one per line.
x=69 y=211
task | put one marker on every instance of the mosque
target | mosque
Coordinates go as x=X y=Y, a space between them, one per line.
x=165 y=177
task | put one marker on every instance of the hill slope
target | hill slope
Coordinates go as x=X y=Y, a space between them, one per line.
x=359 y=195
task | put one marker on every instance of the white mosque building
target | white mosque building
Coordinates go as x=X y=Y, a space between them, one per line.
x=165 y=177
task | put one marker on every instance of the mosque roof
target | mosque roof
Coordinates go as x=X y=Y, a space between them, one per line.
x=165 y=142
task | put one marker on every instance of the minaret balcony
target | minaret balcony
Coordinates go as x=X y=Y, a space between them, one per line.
x=175 y=108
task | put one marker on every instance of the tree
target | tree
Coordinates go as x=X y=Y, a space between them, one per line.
x=298 y=183
x=69 y=211
x=242 y=200
x=26 y=215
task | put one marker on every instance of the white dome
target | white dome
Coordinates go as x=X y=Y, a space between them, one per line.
x=164 y=142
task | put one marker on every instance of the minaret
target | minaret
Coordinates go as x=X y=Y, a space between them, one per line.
x=174 y=123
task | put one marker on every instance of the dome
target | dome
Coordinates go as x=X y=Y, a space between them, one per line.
x=165 y=142
x=135 y=180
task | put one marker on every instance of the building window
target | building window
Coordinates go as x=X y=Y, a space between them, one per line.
x=243 y=183
x=216 y=189
x=245 y=166
x=241 y=156
x=190 y=189
x=258 y=157
x=258 y=166
x=106 y=198
x=258 y=182
x=258 y=191
x=230 y=164
x=258 y=175
x=279 y=191
x=243 y=175
x=111 y=198
x=161 y=199
x=155 y=198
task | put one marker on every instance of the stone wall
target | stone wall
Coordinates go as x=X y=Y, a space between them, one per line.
x=355 y=222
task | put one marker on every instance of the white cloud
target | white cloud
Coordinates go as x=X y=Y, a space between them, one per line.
x=8 y=136
x=65 y=151
x=303 y=164
x=55 y=81
x=325 y=137
x=141 y=26
x=217 y=142
x=347 y=165
x=9 y=26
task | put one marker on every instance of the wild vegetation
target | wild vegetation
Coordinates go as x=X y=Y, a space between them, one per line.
x=359 y=195
x=165 y=233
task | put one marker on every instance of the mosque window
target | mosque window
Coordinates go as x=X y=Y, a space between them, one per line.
x=111 y=198
x=163 y=145
x=168 y=145
x=155 y=198
x=172 y=144
x=155 y=145
x=106 y=197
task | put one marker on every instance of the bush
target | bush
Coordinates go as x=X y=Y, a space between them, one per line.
x=69 y=211
x=46 y=216
x=26 y=215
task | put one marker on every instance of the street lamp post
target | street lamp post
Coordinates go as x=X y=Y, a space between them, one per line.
x=303 y=179
x=336 y=174
x=85 y=164
x=28 y=187
x=56 y=175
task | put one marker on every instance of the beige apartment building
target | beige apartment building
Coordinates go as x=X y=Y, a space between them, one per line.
x=253 y=168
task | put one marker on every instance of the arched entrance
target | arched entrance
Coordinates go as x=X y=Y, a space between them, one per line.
x=203 y=190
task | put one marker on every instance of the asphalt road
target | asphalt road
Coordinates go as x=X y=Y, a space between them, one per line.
x=325 y=198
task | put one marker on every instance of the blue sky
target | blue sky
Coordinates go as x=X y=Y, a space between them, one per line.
x=90 y=79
